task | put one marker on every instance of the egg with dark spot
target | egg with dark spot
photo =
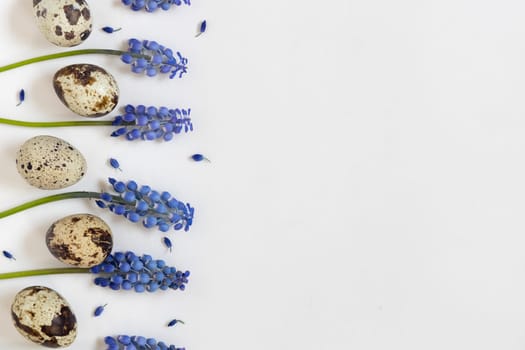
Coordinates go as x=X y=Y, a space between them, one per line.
x=82 y=240
x=44 y=317
x=86 y=89
x=63 y=22
x=50 y=163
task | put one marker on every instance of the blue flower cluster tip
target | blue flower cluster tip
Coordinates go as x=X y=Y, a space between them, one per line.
x=126 y=342
x=152 y=123
x=128 y=271
x=153 y=5
x=151 y=58
x=142 y=204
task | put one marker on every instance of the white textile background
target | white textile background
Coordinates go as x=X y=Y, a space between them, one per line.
x=366 y=189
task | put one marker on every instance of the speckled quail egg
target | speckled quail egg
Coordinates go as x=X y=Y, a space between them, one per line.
x=50 y=163
x=44 y=317
x=86 y=89
x=82 y=240
x=63 y=22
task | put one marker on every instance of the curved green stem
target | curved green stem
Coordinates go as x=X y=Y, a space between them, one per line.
x=41 y=272
x=48 y=199
x=60 y=55
x=54 y=124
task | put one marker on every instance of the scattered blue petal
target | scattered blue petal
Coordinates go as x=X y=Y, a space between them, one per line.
x=99 y=309
x=110 y=29
x=202 y=28
x=21 y=97
x=167 y=242
x=8 y=255
x=174 y=322
x=114 y=163
x=199 y=157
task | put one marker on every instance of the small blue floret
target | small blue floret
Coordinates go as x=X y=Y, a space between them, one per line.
x=110 y=30
x=153 y=5
x=21 y=97
x=99 y=309
x=8 y=255
x=167 y=242
x=199 y=157
x=114 y=163
x=202 y=28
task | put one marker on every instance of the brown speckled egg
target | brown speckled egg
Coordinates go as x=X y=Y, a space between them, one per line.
x=50 y=163
x=63 y=22
x=44 y=317
x=86 y=89
x=82 y=240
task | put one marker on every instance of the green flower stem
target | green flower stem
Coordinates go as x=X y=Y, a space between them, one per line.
x=67 y=54
x=42 y=272
x=54 y=124
x=48 y=199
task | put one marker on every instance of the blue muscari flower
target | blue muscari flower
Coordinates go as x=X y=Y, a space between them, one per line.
x=136 y=123
x=145 y=57
x=126 y=342
x=152 y=123
x=128 y=271
x=153 y=5
x=135 y=203
x=150 y=58
x=152 y=208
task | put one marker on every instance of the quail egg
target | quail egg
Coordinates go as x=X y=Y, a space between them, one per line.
x=63 y=22
x=50 y=163
x=86 y=89
x=82 y=240
x=44 y=317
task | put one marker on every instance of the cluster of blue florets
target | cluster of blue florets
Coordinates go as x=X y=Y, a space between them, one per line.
x=127 y=342
x=153 y=5
x=127 y=271
x=142 y=204
x=152 y=123
x=150 y=58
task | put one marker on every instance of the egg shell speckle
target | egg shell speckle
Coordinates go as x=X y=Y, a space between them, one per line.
x=44 y=317
x=63 y=22
x=86 y=89
x=82 y=240
x=50 y=163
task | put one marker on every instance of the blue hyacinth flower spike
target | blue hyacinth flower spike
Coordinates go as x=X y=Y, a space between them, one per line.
x=128 y=271
x=122 y=271
x=154 y=5
x=140 y=122
x=126 y=342
x=146 y=57
x=138 y=204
